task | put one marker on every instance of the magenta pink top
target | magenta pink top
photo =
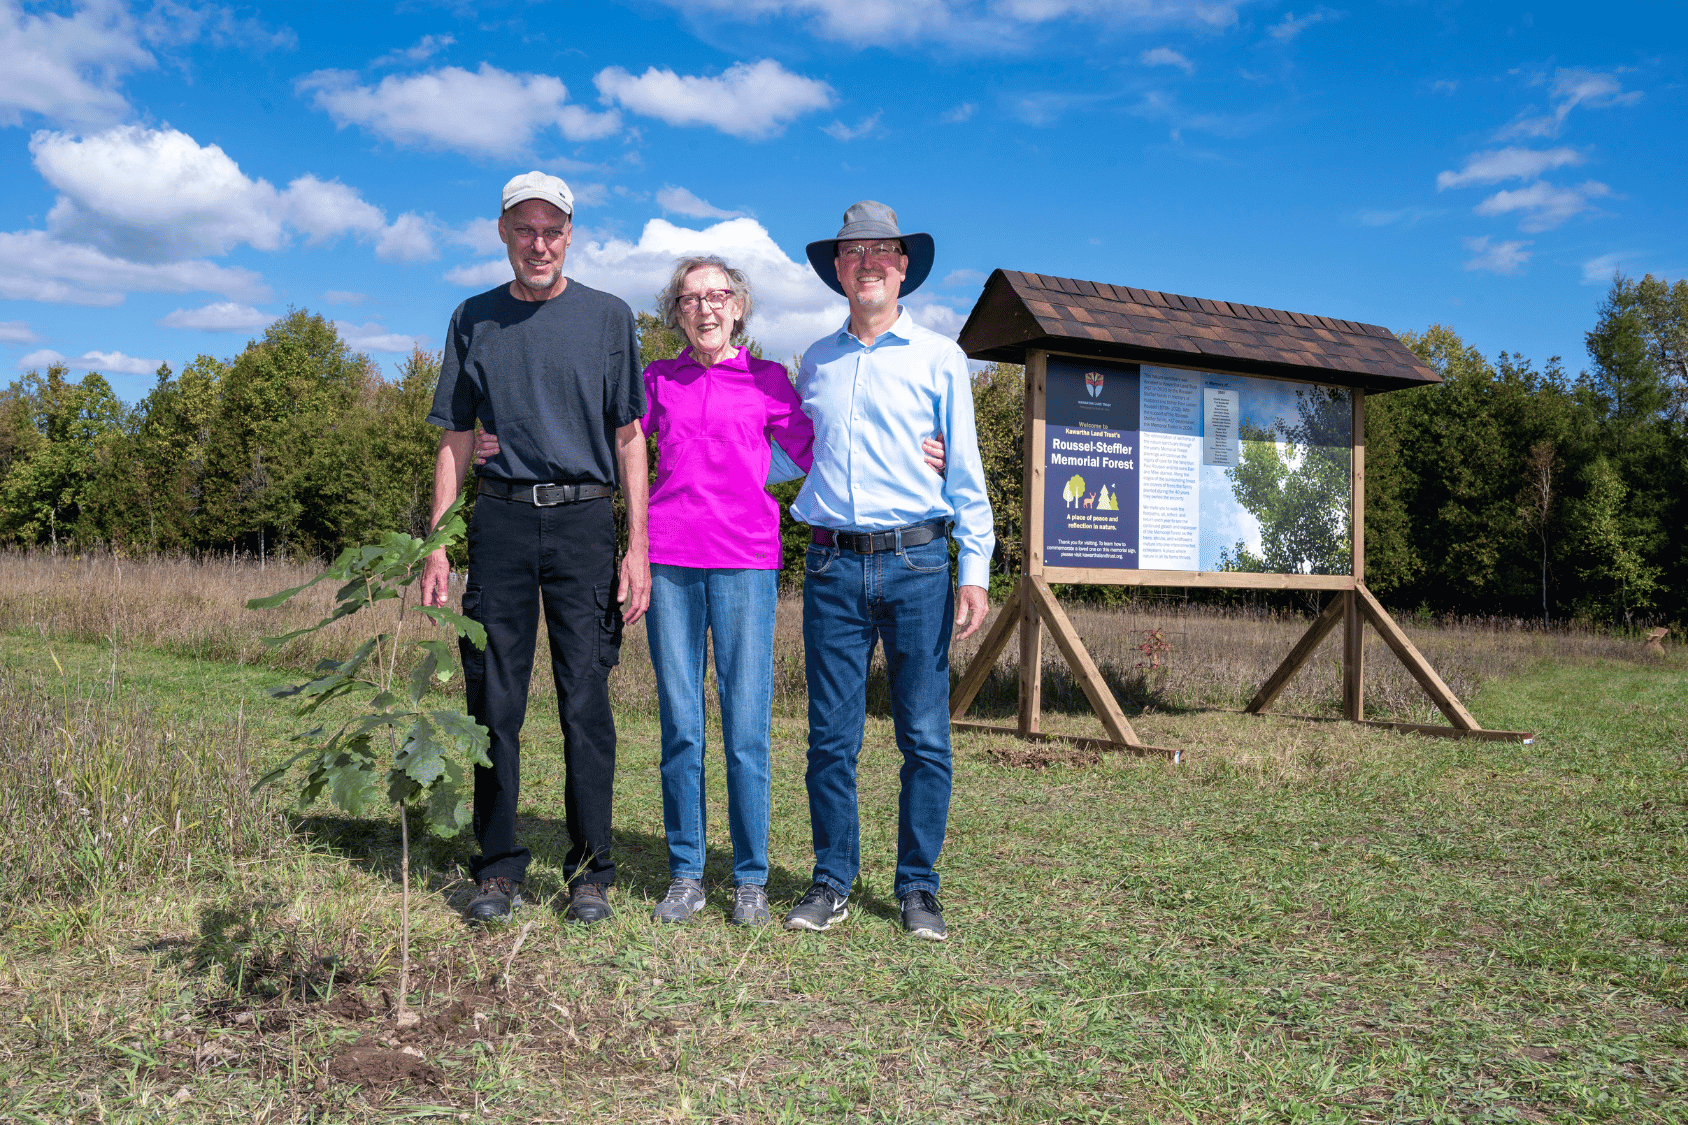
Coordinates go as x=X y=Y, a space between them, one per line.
x=709 y=507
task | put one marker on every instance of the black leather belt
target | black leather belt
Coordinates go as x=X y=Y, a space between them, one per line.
x=543 y=495
x=870 y=542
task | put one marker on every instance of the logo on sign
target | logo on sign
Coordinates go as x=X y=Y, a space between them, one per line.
x=1093 y=383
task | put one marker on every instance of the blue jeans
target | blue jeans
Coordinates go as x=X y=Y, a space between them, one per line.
x=905 y=600
x=737 y=607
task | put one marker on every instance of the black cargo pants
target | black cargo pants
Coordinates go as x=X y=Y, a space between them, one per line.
x=561 y=558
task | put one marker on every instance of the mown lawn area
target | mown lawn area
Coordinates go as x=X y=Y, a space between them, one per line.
x=1303 y=922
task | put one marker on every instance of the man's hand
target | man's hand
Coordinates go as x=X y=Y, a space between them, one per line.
x=971 y=607
x=450 y=461
x=487 y=447
x=436 y=578
x=635 y=591
x=932 y=448
x=634 y=594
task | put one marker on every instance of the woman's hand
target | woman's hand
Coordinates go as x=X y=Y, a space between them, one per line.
x=486 y=447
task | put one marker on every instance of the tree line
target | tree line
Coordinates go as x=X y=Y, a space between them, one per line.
x=1503 y=490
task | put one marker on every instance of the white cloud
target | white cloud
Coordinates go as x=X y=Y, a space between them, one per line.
x=1599 y=271
x=408 y=239
x=964 y=277
x=748 y=100
x=1572 y=87
x=219 y=316
x=36 y=267
x=487 y=113
x=66 y=68
x=682 y=202
x=482 y=275
x=480 y=235
x=1507 y=164
x=425 y=48
x=343 y=297
x=17 y=332
x=115 y=363
x=1544 y=206
x=1290 y=26
x=1405 y=216
x=960 y=113
x=157 y=195
x=373 y=337
x=1005 y=26
x=839 y=131
x=1166 y=56
x=45 y=357
x=1497 y=257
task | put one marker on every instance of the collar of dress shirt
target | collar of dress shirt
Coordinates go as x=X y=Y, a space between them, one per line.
x=899 y=328
x=738 y=361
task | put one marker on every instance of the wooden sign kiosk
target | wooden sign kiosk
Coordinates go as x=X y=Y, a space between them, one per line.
x=1190 y=376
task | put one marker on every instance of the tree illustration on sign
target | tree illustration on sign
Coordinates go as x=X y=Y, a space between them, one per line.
x=1074 y=490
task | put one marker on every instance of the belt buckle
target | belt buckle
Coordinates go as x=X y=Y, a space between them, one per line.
x=537 y=502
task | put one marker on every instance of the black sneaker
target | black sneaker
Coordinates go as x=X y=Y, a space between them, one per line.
x=589 y=903
x=818 y=909
x=923 y=917
x=494 y=901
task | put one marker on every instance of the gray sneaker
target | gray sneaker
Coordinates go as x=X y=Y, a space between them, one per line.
x=923 y=917
x=684 y=898
x=750 y=905
x=818 y=909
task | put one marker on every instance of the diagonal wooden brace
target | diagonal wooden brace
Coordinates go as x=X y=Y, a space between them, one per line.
x=1078 y=659
x=1298 y=656
x=1426 y=676
x=1001 y=632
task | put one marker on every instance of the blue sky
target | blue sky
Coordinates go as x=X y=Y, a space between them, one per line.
x=180 y=174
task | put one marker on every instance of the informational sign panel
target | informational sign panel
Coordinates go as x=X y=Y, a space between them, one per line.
x=1154 y=468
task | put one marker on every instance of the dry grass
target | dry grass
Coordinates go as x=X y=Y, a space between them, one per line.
x=99 y=794
x=1216 y=657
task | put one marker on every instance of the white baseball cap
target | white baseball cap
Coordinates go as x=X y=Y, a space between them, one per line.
x=538 y=185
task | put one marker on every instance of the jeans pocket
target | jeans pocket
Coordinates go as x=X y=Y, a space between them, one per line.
x=607 y=648
x=817 y=559
x=928 y=558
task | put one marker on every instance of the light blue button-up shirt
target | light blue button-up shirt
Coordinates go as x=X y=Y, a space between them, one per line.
x=871 y=407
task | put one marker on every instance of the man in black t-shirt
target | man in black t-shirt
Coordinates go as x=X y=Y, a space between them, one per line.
x=552 y=367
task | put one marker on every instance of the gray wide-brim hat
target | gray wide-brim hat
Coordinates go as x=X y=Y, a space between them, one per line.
x=869 y=219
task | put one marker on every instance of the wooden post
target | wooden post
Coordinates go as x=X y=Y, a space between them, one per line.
x=1031 y=545
x=1353 y=621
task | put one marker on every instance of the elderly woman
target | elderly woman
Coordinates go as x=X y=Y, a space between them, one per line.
x=718 y=413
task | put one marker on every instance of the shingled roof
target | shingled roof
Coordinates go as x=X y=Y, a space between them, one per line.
x=1022 y=311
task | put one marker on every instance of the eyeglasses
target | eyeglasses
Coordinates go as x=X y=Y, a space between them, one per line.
x=528 y=234
x=717 y=298
x=878 y=251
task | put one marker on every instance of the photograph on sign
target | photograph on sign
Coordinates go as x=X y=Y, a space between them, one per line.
x=1154 y=468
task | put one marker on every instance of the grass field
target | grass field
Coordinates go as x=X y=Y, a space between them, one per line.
x=1305 y=922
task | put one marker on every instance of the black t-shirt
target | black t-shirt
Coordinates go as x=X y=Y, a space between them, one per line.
x=553 y=379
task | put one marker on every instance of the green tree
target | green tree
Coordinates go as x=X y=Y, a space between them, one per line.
x=1621 y=581
x=48 y=491
x=277 y=469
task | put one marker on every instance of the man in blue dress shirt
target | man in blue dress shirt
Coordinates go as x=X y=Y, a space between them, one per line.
x=878 y=569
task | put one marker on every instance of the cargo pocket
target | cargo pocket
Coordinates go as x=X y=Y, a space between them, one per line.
x=609 y=627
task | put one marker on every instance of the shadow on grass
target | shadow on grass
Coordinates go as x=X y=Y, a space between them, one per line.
x=441 y=867
x=1136 y=690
